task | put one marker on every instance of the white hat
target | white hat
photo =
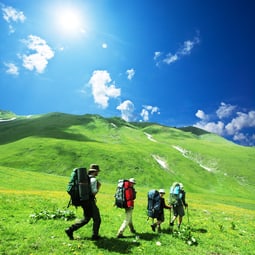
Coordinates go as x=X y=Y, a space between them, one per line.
x=132 y=180
x=162 y=191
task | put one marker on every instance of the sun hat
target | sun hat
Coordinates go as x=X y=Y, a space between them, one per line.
x=132 y=180
x=94 y=168
x=162 y=191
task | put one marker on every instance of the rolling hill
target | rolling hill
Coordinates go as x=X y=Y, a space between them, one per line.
x=155 y=155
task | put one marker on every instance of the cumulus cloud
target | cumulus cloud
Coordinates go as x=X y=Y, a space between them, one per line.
x=130 y=73
x=147 y=111
x=127 y=109
x=225 y=110
x=243 y=120
x=101 y=89
x=11 y=15
x=12 y=69
x=42 y=53
x=240 y=126
x=213 y=127
x=184 y=50
x=201 y=115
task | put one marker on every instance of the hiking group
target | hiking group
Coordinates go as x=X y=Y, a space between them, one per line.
x=84 y=186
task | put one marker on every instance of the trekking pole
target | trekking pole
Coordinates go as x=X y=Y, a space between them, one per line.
x=188 y=214
x=170 y=216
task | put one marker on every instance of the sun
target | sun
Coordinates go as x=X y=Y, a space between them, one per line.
x=69 y=21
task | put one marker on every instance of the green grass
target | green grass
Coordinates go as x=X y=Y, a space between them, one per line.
x=37 y=155
x=218 y=227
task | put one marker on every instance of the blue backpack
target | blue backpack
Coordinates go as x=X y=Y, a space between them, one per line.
x=175 y=196
x=153 y=206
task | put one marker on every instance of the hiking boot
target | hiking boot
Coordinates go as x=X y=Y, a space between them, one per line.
x=153 y=227
x=69 y=233
x=171 y=224
x=120 y=236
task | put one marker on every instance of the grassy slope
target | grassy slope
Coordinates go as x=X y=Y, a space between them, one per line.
x=56 y=143
x=37 y=155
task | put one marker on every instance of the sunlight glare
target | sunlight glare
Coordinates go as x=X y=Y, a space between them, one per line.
x=69 y=21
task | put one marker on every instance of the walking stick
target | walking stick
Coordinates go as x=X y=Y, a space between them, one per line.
x=170 y=216
x=187 y=214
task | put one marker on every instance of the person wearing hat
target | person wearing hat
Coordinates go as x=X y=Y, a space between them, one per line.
x=178 y=209
x=90 y=209
x=131 y=196
x=160 y=216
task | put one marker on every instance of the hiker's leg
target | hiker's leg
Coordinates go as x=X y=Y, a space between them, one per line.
x=96 y=219
x=87 y=214
x=175 y=212
x=158 y=226
x=126 y=222
x=130 y=224
x=181 y=214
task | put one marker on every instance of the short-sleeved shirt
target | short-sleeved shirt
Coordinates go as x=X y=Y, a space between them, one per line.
x=93 y=184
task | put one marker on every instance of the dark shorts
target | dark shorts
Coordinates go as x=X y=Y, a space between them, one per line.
x=178 y=210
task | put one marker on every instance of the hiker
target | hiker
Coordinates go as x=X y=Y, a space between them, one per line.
x=160 y=216
x=178 y=207
x=129 y=210
x=90 y=209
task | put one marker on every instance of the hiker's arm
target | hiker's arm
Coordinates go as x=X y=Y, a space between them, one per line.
x=184 y=199
x=94 y=186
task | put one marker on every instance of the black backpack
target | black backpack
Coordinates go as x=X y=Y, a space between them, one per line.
x=153 y=206
x=79 y=187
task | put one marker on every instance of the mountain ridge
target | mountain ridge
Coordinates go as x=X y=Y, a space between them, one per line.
x=155 y=155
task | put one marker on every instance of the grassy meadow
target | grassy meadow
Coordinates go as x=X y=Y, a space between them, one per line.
x=218 y=228
x=38 y=153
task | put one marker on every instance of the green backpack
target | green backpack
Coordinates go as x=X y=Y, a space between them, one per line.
x=79 y=187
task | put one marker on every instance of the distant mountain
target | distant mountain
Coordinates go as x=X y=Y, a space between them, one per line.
x=155 y=155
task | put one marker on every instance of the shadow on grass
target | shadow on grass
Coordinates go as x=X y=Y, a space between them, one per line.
x=199 y=230
x=122 y=246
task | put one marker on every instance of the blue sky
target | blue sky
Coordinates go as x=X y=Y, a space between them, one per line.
x=177 y=63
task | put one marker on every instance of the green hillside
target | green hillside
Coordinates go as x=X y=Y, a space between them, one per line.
x=155 y=155
x=37 y=154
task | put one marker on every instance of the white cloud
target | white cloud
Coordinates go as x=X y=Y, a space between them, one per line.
x=184 y=50
x=213 y=127
x=11 y=15
x=188 y=46
x=243 y=120
x=170 y=58
x=130 y=73
x=12 y=69
x=240 y=122
x=147 y=111
x=39 y=59
x=127 y=109
x=201 y=115
x=225 y=110
x=145 y=114
x=101 y=91
x=157 y=54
